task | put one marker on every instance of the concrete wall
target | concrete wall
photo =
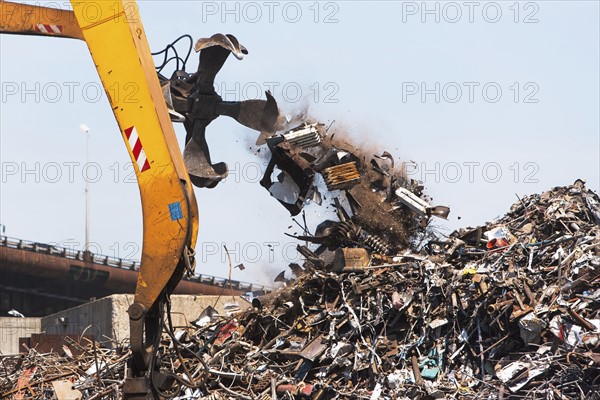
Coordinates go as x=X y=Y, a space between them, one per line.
x=11 y=329
x=107 y=318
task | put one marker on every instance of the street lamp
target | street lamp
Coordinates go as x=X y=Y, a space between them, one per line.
x=84 y=129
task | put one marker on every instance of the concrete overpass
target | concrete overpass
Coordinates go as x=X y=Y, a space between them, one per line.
x=39 y=279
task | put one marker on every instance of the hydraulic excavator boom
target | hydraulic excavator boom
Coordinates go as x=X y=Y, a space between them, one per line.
x=118 y=45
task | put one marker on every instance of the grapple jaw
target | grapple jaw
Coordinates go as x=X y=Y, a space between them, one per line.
x=192 y=99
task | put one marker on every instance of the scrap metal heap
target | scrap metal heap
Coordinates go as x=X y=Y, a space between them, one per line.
x=507 y=310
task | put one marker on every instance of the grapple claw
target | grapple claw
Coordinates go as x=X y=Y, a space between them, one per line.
x=194 y=98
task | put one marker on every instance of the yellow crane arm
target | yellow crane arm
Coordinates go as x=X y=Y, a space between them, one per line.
x=122 y=57
x=117 y=42
x=25 y=19
x=119 y=48
x=115 y=37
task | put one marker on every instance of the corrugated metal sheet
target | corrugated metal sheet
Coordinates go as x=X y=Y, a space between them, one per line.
x=305 y=137
x=341 y=176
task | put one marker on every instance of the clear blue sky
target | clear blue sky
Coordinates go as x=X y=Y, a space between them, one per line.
x=466 y=91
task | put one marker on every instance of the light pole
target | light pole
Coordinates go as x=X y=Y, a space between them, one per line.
x=84 y=129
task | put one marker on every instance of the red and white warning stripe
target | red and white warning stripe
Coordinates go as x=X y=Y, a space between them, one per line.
x=46 y=28
x=135 y=144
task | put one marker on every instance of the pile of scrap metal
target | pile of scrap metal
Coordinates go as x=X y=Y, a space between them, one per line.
x=75 y=370
x=508 y=310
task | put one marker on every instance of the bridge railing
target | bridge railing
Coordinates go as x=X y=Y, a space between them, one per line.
x=115 y=262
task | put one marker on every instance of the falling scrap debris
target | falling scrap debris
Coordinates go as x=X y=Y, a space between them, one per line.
x=373 y=199
x=507 y=310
